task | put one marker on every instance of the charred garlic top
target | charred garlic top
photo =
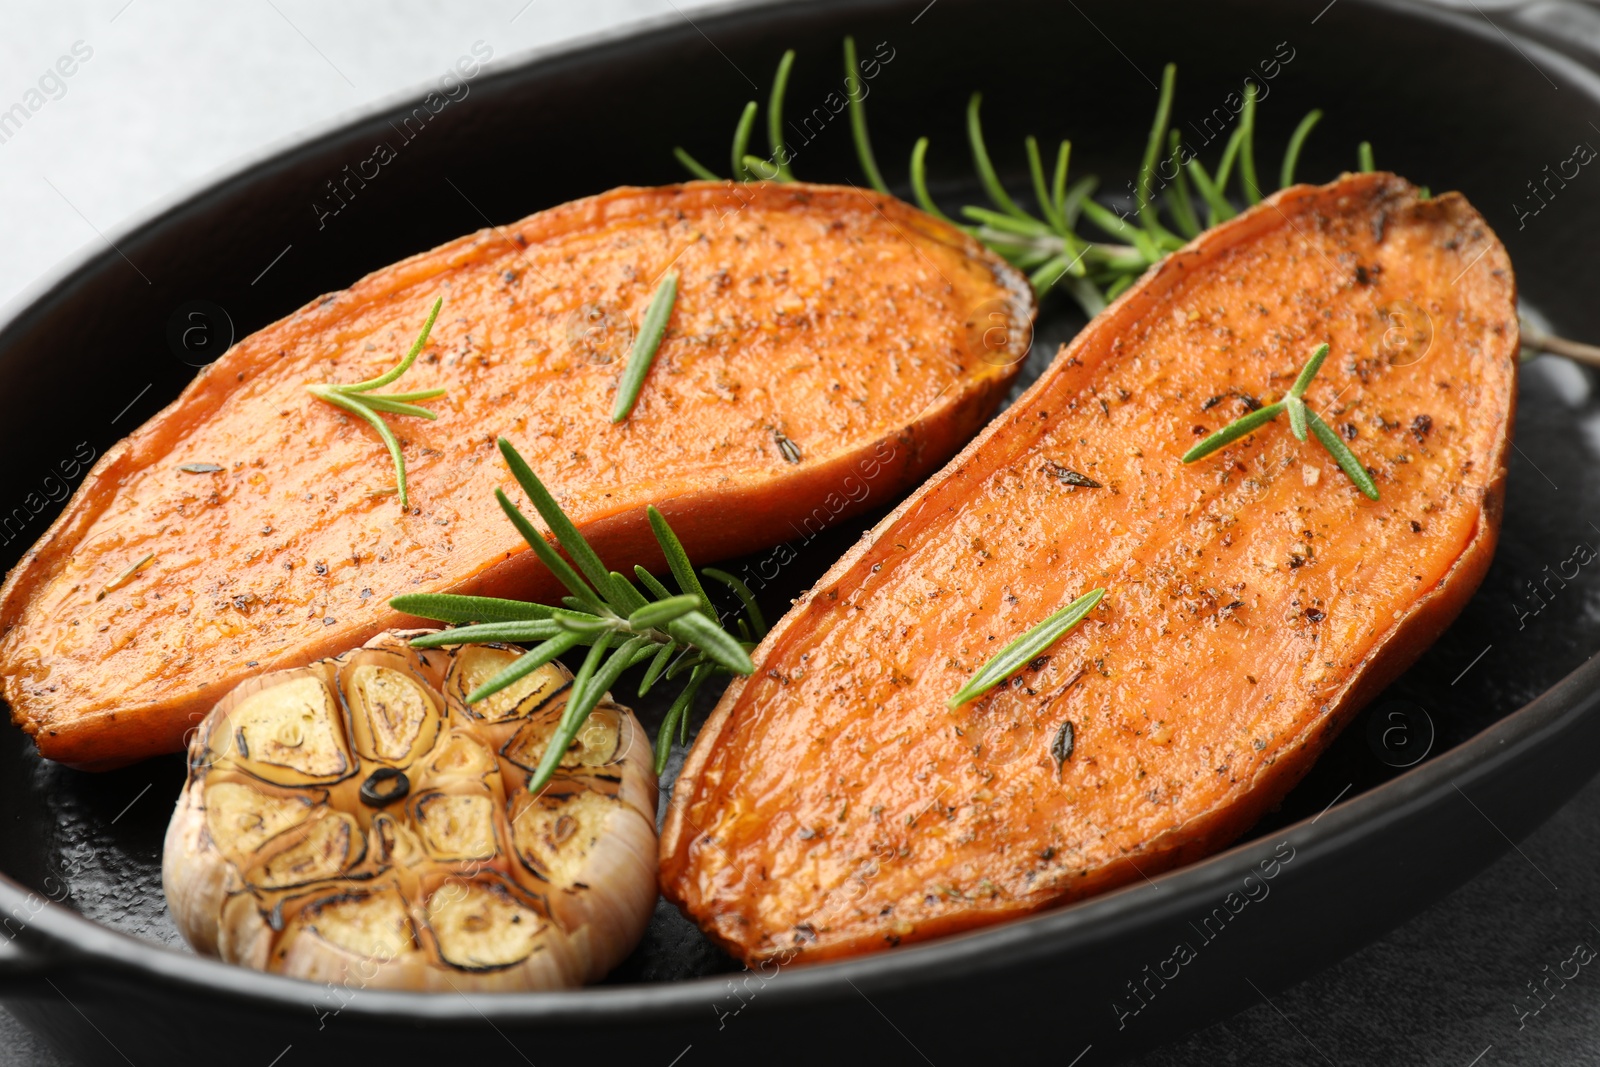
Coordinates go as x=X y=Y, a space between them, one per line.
x=358 y=819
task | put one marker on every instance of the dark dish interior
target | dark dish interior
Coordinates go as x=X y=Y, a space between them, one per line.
x=1452 y=107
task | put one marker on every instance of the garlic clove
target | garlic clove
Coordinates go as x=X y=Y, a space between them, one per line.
x=394 y=715
x=314 y=851
x=241 y=818
x=456 y=827
x=479 y=925
x=596 y=745
x=461 y=756
x=473 y=665
x=283 y=729
x=577 y=833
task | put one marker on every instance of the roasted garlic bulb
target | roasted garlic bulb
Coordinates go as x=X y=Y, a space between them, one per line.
x=358 y=820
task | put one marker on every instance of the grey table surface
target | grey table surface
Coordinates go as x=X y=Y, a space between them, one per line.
x=172 y=90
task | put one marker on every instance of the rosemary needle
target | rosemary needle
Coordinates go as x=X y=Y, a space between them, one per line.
x=359 y=399
x=858 y=117
x=125 y=577
x=646 y=344
x=1011 y=659
x=1291 y=155
x=1233 y=431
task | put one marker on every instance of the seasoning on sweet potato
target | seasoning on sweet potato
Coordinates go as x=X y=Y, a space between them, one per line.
x=1255 y=599
x=827 y=347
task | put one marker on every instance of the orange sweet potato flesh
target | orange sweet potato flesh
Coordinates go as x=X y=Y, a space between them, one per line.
x=828 y=348
x=834 y=805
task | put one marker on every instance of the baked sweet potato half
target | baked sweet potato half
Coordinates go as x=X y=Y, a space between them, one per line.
x=834 y=804
x=828 y=346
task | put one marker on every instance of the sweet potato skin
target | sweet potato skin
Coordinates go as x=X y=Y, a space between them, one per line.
x=837 y=319
x=832 y=804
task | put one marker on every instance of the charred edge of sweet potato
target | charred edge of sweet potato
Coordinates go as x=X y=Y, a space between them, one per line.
x=1393 y=652
x=938 y=431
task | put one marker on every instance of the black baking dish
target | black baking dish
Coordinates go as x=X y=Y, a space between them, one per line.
x=1503 y=705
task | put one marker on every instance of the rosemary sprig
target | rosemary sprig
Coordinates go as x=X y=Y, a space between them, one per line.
x=359 y=399
x=622 y=626
x=1301 y=419
x=1015 y=655
x=645 y=346
x=1049 y=246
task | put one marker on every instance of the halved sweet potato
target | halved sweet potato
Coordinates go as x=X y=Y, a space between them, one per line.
x=834 y=804
x=828 y=347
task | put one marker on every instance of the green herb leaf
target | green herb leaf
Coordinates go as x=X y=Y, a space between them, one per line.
x=522 y=632
x=1343 y=456
x=393 y=374
x=1180 y=202
x=548 y=555
x=985 y=167
x=1297 y=141
x=525 y=665
x=367 y=415
x=919 y=180
x=646 y=345
x=775 y=139
x=1041 y=191
x=678 y=559
x=580 y=680
x=698 y=630
x=1023 y=227
x=566 y=533
x=658 y=614
x=676 y=714
x=586 y=625
x=452 y=607
x=1247 y=145
x=752 y=612
x=392 y=407
x=858 y=118
x=358 y=399
x=694 y=166
x=628 y=599
x=1058 y=187
x=1152 y=148
x=657 y=665
x=1308 y=372
x=1217 y=207
x=648 y=580
x=1230 y=154
x=1233 y=431
x=741 y=141
x=1297 y=415
x=1020 y=651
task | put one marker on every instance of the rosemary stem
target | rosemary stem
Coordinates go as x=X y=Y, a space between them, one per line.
x=1538 y=342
